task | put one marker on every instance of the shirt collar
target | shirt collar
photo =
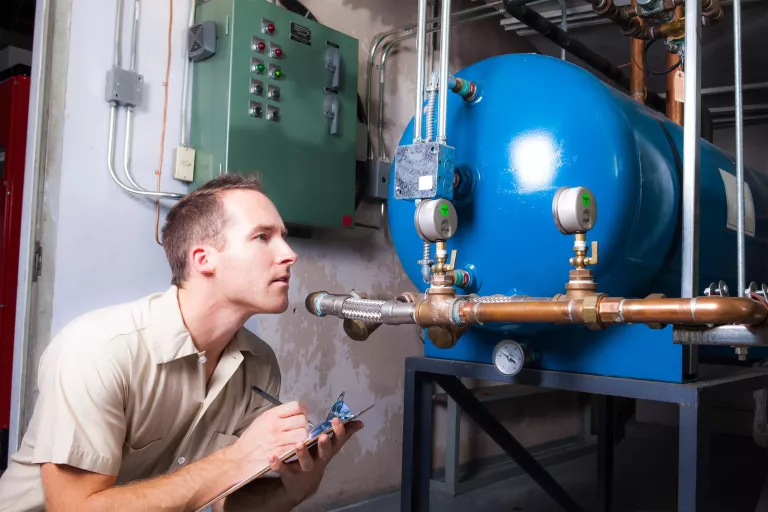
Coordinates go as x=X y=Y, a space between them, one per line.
x=170 y=339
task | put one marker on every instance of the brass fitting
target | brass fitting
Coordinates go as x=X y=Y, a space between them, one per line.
x=437 y=309
x=580 y=248
x=581 y=281
x=359 y=330
x=442 y=264
x=444 y=337
x=590 y=313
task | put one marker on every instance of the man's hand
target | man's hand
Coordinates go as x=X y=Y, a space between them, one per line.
x=274 y=433
x=301 y=480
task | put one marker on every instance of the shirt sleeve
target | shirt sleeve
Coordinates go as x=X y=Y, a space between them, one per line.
x=81 y=407
x=269 y=381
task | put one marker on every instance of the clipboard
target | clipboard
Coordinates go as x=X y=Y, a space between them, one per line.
x=338 y=410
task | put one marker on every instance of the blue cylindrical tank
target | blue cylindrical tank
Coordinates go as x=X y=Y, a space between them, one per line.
x=541 y=124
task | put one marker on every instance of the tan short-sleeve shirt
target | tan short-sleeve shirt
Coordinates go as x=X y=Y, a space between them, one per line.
x=122 y=392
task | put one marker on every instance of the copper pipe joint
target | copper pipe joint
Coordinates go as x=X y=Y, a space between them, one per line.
x=437 y=309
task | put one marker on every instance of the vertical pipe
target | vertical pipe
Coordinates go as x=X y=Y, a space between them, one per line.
x=136 y=14
x=636 y=72
x=691 y=150
x=674 y=107
x=420 y=39
x=118 y=32
x=739 y=143
x=445 y=52
x=564 y=23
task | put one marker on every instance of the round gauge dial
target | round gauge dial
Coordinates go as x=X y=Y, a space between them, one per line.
x=508 y=357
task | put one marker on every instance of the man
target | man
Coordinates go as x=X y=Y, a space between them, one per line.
x=148 y=405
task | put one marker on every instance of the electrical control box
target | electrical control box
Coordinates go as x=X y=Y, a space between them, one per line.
x=278 y=97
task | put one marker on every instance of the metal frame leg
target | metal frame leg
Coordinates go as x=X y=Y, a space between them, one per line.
x=606 y=439
x=693 y=458
x=417 y=442
x=480 y=415
x=452 y=446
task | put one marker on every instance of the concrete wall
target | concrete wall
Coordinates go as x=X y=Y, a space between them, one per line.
x=99 y=245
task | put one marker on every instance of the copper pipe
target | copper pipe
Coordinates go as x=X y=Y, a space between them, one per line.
x=636 y=74
x=699 y=310
x=567 y=312
x=674 y=107
x=615 y=310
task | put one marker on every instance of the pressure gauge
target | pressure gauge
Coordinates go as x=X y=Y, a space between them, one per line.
x=509 y=357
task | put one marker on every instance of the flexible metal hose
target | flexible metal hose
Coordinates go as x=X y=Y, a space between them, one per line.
x=426 y=263
x=504 y=298
x=362 y=309
x=431 y=106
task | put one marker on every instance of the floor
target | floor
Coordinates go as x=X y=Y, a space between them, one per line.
x=646 y=480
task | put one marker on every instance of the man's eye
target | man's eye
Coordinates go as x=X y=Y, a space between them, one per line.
x=261 y=236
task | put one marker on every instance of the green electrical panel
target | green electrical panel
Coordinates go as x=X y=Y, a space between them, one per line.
x=276 y=93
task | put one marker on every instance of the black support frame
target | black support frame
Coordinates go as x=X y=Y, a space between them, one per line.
x=692 y=399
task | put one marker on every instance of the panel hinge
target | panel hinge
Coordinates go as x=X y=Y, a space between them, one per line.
x=37 y=264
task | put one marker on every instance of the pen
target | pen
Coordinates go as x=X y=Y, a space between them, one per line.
x=274 y=401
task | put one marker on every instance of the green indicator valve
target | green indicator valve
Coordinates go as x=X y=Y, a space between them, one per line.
x=444 y=210
x=585 y=199
x=259 y=68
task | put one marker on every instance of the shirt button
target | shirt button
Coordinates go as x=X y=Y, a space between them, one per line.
x=182 y=460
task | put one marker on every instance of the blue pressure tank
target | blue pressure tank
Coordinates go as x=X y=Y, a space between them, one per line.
x=541 y=124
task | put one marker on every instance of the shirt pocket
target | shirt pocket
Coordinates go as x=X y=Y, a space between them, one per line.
x=141 y=462
x=218 y=441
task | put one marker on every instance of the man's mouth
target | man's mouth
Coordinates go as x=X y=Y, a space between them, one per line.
x=283 y=279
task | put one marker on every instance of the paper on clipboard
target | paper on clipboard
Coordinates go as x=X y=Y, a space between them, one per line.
x=338 y=410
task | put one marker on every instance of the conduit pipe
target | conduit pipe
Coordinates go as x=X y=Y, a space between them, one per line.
x=380 y=38
x=382 y=75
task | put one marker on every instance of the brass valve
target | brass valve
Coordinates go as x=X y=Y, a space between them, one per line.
x=442 y=266
x=581 y=261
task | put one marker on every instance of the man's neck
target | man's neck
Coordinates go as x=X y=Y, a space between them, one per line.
x=210 y=320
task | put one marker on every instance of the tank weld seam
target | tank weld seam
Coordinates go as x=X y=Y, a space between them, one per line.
x=620 y=316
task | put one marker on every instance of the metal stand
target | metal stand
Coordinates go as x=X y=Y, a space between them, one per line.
x=693 y=398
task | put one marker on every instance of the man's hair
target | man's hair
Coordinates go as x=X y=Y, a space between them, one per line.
x=199 y=218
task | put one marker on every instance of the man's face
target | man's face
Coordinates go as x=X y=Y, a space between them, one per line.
x=253 y=269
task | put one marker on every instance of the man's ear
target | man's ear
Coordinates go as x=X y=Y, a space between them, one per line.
x=202 y=259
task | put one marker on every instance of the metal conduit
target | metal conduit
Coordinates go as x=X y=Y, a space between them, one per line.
x=382 y=68
x=379 y=38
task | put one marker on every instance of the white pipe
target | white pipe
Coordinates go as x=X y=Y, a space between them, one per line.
x=691 y=150
x=740 y=249
x=445 y=51
x=420 y=40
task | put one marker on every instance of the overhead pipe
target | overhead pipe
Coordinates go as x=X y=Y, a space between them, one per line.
x=576 y=48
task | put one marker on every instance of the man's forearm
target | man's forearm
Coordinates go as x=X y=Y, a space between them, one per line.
x=264 y=494
x=186 y=489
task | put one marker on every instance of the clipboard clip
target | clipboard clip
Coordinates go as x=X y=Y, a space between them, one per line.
x=340 y=410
